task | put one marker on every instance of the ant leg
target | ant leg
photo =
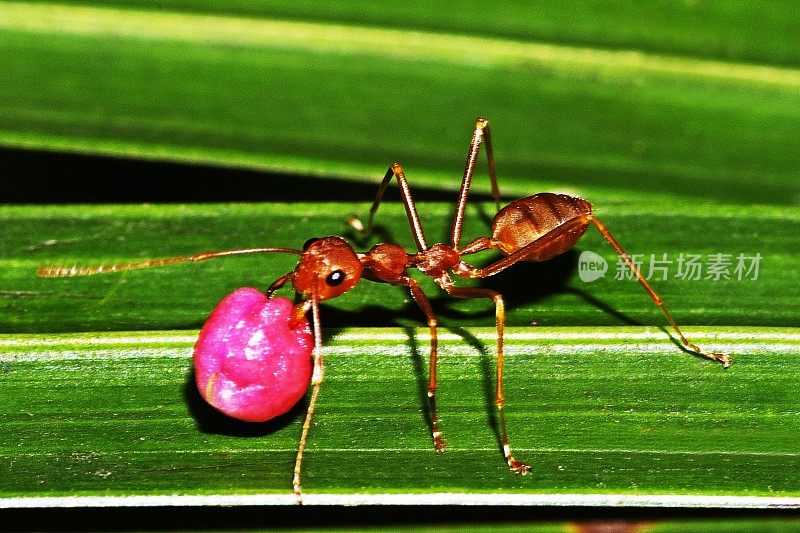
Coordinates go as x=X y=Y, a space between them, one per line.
x=396 y=170
x=490 y=158
x=278 y=283
x=532 y=250
x=716 y=356
x=516 y=466
x=316 y=381
x=481 y=134
x=424 y=304
x=356 y=223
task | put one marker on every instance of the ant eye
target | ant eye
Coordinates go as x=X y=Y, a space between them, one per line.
x=335 y=278
x=309 y=242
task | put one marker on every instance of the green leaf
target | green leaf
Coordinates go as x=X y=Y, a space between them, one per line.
x=596 y=409
x=550 y=293
x=731 y=30
x=117 y=415
x=681 y=130
x=347 y=100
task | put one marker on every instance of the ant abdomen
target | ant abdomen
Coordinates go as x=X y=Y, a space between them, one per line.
x=525 y=220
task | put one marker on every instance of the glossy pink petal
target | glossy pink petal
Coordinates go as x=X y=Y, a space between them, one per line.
x=249 y=362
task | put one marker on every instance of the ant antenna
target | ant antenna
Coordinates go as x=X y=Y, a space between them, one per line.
x=67 y=272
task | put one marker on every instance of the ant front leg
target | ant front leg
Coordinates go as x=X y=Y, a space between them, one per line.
x=316 y=381
x=396 y=171
x=516 y=466
x=425 y=306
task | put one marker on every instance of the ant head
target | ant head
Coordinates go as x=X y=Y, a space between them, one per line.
x=330 y=263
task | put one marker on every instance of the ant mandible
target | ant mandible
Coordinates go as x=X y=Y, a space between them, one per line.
x=534 y=228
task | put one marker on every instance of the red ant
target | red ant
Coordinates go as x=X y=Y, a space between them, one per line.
x=535 y=228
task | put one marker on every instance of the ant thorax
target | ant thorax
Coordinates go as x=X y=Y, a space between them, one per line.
x=436 y=260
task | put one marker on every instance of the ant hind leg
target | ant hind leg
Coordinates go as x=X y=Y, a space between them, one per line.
x=656 y=298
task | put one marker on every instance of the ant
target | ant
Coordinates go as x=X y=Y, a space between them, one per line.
x=534 y=228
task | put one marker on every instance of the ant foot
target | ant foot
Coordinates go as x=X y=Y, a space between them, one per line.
x=723 y=358
x=354 y=222
x=518 y=467
x=438 y=442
